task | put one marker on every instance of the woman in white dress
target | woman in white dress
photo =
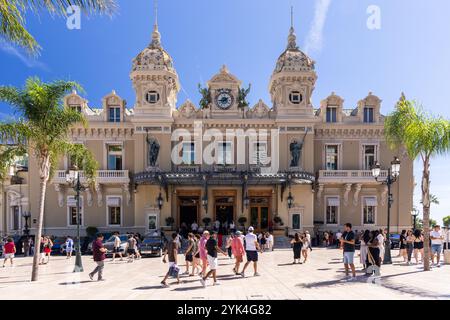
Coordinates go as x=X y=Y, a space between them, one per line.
x=363 y=248
x=381 y=239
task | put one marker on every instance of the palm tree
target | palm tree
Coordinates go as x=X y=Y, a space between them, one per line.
x=422 y=135
x=12 y=20
x=42 y=131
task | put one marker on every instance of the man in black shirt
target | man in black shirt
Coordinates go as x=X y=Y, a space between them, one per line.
x=348 y=244
x=212 y=248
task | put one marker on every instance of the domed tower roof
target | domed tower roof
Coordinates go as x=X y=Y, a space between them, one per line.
x=293 y=59
x=154 y=57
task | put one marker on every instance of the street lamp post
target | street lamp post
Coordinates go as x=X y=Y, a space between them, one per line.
x=393 y=173
x=73 y=178
x=26 y=215
x=414 y=213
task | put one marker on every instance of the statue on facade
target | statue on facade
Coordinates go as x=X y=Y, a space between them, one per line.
x=153 y=151
x=296 y=152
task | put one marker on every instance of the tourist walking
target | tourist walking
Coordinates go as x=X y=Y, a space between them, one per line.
x=308 y=237
x=409 y=245
x=69 y=247
x=251 y=250
x=9 y=251
x=212 y=248
x=437 y=240
x=189 y=254
x=194 y=227
x=263 y=241
x=270 y=241
x=418 y=245
x=403 y=246
x=131 y=248
x=228 y=245
x=373 y=255
x=348 y=245
x=99 y=254
x=232 y=227
x=305 y=247
x=381 y=240
x=46 y=249
x=196 y=262
x=237 y=248
x=363 y=248
x=171 y=251
x=297 y=244
x=202 y=251
x=116 y=249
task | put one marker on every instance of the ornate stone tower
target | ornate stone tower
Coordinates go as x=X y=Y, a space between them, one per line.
x=155 y=80
x=292 y=81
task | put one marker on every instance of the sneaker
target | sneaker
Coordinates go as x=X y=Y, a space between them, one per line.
x=350 y=279
x=91 y=276
x=242 y=274
x=256 y=274
x=203 y=282
x=101 y=279
x=216 y=283
x=164 y=285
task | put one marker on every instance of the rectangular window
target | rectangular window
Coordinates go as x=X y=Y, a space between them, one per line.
x=15 y=212
x=332 y=210
x=296 y=221
x=331 y=114
x=224 y=153
x=332 y=157
x=114 y=114
x=114 y=215
x=259 y=155
x=369 y=210
x=188 y=152
x=368 y=115
x=369 y=156
x=73 y=209
x=114 y=157
x=76 y=108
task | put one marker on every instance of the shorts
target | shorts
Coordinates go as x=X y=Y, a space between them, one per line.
x=238 y=258
x=212 y=261
x=116 y=250
x=252 y=256
x=173 y=269
x=69 y=250
x=189 y=257
x=436 y=248
x=131 y=251
x=348 y=257
x=9 y=255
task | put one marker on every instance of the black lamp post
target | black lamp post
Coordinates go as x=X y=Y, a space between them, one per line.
x=160 y=201
x=73 y=178
x=393 y=173
x=290 y=198
x=26 y=215
x=414 y=214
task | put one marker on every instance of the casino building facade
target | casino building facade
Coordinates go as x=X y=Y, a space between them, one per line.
x=324 y=156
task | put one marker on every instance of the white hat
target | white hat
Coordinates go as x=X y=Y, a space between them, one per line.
x=250 y=229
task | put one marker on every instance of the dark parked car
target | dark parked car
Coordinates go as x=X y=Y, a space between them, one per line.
x=58 y=242
x=152 y=245
x=395 y=241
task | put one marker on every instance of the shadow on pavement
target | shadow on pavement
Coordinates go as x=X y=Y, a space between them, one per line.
x=75 y=282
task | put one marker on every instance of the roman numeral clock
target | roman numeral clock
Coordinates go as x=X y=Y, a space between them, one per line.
x=224 y=99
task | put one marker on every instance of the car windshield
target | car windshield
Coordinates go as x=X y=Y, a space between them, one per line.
x=121 y=237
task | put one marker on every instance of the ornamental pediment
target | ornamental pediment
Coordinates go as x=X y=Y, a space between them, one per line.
x=259 y=110
x=187 y=110
x=224 y=76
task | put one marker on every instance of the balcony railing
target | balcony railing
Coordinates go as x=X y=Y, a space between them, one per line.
x=343 y=176
x=227 y=168
x=103 y=176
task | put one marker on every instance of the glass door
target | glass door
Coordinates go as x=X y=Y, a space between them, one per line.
x=259 y=218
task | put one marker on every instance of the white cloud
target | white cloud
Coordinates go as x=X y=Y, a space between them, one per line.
x=28 y=61
x=315 y=34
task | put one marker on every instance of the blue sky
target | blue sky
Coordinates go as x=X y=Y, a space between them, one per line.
x=409 y=53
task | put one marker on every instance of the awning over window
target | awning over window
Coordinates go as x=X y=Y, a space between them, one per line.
x=113 y=202
x=371 y=202
x=333 y=202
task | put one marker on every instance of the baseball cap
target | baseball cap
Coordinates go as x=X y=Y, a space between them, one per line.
x=238 y=233
x=250 y=229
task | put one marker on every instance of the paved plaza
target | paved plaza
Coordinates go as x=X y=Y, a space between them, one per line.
x=320 y=278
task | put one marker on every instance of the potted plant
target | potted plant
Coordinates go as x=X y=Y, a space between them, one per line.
x=91 y=231
x=242 y=220
x=206 y=221
x=277 y=221
x=170 y=221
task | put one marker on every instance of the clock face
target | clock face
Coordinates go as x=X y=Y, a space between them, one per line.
x=224 y=100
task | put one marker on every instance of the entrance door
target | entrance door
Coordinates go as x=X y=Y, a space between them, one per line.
x=259 y=213
x=188 y=211
x=224 y=210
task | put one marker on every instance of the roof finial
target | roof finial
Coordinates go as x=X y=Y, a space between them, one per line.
x=156 y=36
x=292 y=44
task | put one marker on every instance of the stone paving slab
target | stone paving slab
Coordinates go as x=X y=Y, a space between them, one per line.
x=320 y=278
